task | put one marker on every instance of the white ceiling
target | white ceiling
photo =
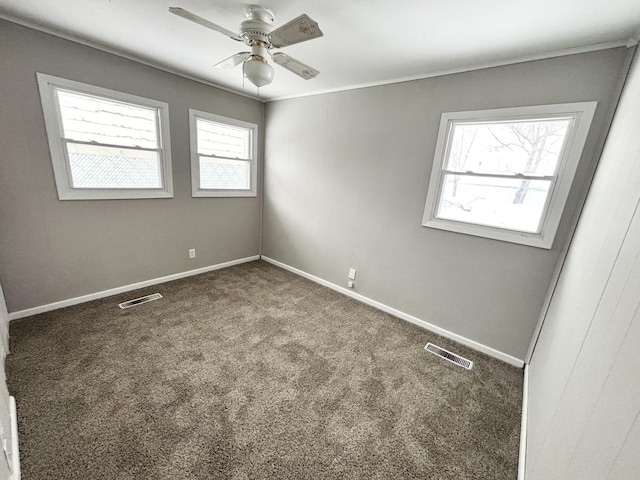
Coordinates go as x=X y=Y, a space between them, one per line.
x=365 y=41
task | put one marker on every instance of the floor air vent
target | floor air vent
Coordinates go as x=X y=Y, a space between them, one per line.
x=138 y=301
x=447 y=355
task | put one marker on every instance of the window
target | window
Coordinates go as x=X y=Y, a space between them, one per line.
x=223 y=156
x=505 y=174
x=105 y=144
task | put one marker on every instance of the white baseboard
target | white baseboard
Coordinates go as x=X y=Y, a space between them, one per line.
x=523 y=425
x=134 y=286
x=385 y=308
x=404 y=316
x=15 y=449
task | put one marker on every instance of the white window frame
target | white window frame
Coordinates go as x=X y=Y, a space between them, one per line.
x=196 y=191
x=47 y=85
x=567 y=165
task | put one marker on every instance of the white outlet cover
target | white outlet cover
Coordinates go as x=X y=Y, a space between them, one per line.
x=352 y=273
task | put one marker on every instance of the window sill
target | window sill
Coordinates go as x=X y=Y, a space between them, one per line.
x=95 y=194
x=223 y=193
x=529 y=239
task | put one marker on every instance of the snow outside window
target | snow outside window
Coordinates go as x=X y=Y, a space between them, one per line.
x=505 y=174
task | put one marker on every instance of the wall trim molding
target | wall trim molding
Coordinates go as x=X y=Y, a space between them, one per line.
x=439 y=73
x=120 y=53
x=15 y=449
x=402 y=315
x=470 y=68
x=523 y=425
x=126 y=288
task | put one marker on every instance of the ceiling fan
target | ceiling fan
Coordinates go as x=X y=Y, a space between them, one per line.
x=258 y=33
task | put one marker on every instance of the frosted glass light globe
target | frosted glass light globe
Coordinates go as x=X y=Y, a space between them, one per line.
x=258 y=71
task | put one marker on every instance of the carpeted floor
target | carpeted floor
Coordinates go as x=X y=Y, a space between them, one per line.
x=253 y=373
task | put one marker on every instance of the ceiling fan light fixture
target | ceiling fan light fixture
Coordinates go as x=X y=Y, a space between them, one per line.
x=257 y=33
x=258 y=70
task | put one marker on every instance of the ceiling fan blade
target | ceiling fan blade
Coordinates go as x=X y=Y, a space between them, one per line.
x=297 y=30
x=204 y=22
x=295 y=66
x=233 y=60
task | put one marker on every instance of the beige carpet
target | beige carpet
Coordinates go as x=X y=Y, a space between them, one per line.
x=253 y=373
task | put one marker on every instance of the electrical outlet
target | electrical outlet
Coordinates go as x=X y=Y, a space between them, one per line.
x=352 y=274
x=192 y=253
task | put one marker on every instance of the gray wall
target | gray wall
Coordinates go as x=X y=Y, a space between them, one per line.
x=346 y=178
x=52 y=250
x=584 y=390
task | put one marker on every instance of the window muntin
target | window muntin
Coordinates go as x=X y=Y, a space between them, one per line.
x=105 y=144
x=223 y=152
x=505 y=174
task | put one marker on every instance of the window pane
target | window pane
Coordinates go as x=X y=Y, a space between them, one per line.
x=223 y=174
x=91 y=119
x=223 y=140
x=109 y=167
x=531 y=147
x=497 y=202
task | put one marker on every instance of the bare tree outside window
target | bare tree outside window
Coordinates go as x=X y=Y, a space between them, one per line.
x=538 y=140
x=460 y=149
x=506 y=173
x=500 y=173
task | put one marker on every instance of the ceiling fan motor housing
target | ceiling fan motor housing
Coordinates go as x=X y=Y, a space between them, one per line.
x=258 y=26
x=255 y=32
